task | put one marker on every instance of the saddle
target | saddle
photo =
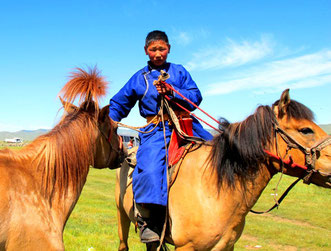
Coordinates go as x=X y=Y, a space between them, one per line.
x=178 y=143
x=181 y=140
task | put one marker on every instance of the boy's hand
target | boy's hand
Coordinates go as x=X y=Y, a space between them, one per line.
x=162 y=88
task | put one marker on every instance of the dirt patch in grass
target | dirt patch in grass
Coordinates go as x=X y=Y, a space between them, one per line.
x=294 y=222
x=273 y=246
x=283 y=248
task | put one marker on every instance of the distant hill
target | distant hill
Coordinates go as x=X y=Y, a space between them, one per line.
x=29 y=135
x=26 y=135
x=326 y=128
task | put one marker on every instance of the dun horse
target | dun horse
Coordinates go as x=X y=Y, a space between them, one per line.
x=220 y=181
x=40 y=184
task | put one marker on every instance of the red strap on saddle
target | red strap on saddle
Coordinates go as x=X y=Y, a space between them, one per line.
x=176 y=148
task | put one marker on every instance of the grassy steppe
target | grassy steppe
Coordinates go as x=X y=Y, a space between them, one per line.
x=303 y=221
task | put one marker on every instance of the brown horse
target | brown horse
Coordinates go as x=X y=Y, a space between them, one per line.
x=220 y=181
x=40 y=184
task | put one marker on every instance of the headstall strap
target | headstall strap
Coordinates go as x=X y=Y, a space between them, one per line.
x=311 y=154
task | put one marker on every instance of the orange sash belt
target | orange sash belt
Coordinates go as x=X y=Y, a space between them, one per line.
x=156 y=119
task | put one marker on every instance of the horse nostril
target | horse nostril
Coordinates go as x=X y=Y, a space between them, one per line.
x=318 y=154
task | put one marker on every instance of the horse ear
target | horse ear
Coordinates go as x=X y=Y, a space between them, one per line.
x=103 y=114
x=89 y=106
x=68 y=107
x=284 y=101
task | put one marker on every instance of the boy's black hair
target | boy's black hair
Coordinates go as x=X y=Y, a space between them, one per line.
x=156 y=35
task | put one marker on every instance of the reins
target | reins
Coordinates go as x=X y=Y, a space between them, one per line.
x=137 y=128
x=279 y=200
x=189 y=101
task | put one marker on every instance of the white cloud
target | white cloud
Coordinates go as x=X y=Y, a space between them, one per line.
x=183 y=38
x=232 y=54
x=300 y=72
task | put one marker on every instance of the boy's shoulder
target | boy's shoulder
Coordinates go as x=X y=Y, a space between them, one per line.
x=178 y=68
x=140 y=72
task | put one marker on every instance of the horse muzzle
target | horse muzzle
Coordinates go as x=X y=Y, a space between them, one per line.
x=321 y=179
x=122 y=154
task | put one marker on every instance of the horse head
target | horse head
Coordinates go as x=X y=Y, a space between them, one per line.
x=108 y=144
x=303 y=143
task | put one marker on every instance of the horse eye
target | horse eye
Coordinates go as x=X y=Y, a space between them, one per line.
x=306 y=131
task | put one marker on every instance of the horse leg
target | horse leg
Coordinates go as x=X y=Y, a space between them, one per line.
x=123 y=229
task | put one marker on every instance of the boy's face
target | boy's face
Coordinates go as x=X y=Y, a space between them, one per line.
x=158 y=52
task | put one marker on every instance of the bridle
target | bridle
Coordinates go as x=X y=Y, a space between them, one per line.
x=108 y=138
x=310 y=153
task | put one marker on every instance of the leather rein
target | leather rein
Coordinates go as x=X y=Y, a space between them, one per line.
x=310 y=153
x=108 y=138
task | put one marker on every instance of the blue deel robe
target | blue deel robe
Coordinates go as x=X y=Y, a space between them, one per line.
x=149 y=181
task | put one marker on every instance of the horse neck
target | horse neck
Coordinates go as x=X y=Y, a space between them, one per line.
x=60 y=167
x=63 y=204
x=254 y=187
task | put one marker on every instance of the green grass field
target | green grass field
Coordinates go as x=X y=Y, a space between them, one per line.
x=303 y=221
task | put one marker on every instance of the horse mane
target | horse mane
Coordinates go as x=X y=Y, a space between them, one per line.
x=238 y=151
x=89 y=86
x=296 y=110
x=63 y=155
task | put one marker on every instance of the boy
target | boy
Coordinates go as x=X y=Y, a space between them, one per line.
x=149 y=181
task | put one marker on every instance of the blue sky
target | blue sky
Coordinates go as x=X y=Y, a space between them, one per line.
x=240 y=53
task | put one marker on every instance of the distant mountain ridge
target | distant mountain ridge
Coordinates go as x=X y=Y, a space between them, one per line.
x=26 y=135
x=326 y=128
x=29 y=135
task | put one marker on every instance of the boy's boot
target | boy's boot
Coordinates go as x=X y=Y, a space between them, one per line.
x=148 y=221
